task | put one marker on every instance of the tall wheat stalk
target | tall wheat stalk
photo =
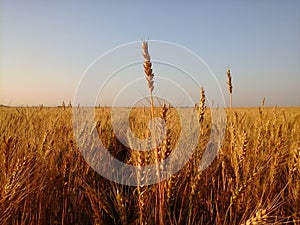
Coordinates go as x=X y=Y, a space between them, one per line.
x=148 y=72
x=196 y=175
x=149 y=77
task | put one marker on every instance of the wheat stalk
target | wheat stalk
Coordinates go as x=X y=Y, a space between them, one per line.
x=121 y=207
x=149 y=78
x=149 y=73
x=66 y=190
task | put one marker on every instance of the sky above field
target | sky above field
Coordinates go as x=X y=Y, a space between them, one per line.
x=48 y=47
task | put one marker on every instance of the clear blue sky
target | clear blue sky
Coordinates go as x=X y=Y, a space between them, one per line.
x=45 y=46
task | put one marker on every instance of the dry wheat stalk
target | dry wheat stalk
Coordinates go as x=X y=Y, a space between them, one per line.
x=243 y=150
x=121 y=207
x=166 y=143
x=136 y=158
x=148 y=72
x=149 y=77
x=66 y=189
x=166 y=149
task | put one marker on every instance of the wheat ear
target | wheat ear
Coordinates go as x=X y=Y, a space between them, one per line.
x=201 y=108
x=229 y=83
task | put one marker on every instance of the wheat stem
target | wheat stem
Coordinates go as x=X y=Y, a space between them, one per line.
x=149 y=78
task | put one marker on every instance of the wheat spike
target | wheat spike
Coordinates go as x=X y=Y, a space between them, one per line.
x=147 y=65
x=202 y=107
x=229 y=83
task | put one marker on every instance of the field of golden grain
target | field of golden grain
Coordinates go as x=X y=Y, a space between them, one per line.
x=255 y=178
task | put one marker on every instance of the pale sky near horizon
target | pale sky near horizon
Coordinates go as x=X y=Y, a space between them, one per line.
x=46 y=46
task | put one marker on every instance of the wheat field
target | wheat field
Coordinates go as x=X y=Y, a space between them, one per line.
x=255 y=178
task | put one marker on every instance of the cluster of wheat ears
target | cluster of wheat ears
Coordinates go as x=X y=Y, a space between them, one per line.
x=255 y=178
